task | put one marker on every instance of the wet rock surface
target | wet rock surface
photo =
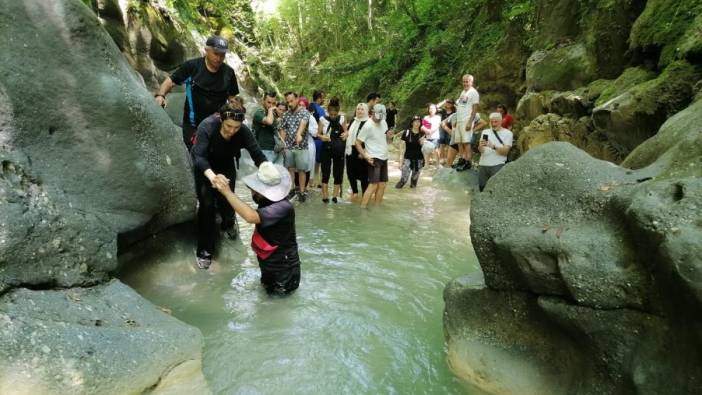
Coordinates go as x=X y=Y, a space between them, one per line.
x=97 y=160
x=605 y=257
x=98 y=340
x=87 y=159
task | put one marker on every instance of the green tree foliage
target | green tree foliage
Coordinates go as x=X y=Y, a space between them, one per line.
x=233 y=18
x=411 y=51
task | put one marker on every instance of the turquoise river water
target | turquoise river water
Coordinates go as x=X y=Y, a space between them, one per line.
x=367 y=318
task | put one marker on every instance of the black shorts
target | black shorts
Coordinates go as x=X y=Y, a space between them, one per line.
x=378 y=171
x=445 y=137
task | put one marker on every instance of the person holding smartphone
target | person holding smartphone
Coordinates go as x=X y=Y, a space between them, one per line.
x=495 y=143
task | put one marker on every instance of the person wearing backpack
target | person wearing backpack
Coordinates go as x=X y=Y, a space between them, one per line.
x=494 y=147
x=209 y=83
x=332 y=133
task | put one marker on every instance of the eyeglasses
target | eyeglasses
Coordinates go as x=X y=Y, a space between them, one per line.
x=235 y=115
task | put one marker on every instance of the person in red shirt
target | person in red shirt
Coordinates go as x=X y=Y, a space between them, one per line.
x=507 y=120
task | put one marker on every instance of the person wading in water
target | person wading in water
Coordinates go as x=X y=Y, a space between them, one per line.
x=274 y=239
x=332 y=133
x=220 y=138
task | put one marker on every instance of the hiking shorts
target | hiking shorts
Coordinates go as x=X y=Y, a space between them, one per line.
x=297 y=159
x=459 y=135
x=378 y=171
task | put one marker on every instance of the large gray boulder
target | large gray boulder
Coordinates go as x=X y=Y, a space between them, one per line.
x=562 y=68
x=86 y=154
x=99 y=340
x=602 y=257
x=87 y=162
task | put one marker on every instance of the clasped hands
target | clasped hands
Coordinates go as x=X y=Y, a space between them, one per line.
x=221 y=183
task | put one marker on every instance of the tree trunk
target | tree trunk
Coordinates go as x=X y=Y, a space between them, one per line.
x=370 y=16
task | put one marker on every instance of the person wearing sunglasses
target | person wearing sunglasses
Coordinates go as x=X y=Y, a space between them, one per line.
x=217 y=148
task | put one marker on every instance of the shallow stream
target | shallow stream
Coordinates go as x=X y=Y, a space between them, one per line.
x=367 y=318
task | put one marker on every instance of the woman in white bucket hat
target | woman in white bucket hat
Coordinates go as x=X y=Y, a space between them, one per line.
x=274 y=240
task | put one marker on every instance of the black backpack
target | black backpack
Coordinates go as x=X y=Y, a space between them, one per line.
x=334 y=131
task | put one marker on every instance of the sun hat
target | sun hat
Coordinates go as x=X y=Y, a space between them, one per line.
x=218 y=44
x=271 y=181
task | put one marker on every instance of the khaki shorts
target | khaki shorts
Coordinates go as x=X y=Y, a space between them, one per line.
x=459 y=135
x=297 y=159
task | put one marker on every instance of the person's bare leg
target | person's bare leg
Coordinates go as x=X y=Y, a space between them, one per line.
x=317 y=175
x=379 y=193
x=467 y=152
x=292 y=177
x=337 y=191
x=367 y=195
x=451 y=156
x=325 y=191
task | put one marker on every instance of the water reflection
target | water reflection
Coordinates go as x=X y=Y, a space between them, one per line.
x=367 y=317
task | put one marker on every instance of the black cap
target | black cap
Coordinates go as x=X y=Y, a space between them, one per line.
x=218 y=44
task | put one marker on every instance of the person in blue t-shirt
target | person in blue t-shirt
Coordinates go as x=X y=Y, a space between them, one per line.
x=318 y=113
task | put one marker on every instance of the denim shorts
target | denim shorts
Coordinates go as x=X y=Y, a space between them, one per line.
x=297 y=159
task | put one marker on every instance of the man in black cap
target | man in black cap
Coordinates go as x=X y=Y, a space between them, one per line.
x=209 y=83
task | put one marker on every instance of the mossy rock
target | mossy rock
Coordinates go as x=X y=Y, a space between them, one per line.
x=679 y=140
x=634 y=116
x=561 y=69
x=630 y=77
x=533 y=104
x=556 y=21
x=573 y=104
x=606 y=26
x=553 y=127
x=671 y=29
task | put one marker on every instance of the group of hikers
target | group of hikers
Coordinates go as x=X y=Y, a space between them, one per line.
x=291 y=140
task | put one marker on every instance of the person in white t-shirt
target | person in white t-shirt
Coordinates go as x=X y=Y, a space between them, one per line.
x=430 y=126
x=494 y=147
x=466 y=110
x=375 y=153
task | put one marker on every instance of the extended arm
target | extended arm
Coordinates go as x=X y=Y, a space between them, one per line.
x=163 y=90
x=244 y=210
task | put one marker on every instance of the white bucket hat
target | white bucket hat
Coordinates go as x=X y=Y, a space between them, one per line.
x=271 y=181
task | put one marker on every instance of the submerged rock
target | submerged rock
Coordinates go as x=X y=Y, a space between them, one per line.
x=593 y=258
x=100 y=340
